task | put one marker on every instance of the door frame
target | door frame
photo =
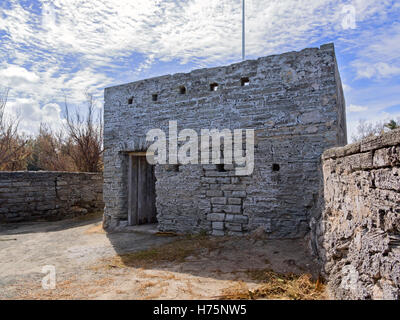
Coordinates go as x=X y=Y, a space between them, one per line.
x=132 y=183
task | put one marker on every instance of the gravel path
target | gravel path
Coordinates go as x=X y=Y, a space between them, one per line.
x=82 y=254
x=70 y=246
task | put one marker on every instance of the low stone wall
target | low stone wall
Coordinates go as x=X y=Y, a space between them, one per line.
x=360 y=230
x=30 y=196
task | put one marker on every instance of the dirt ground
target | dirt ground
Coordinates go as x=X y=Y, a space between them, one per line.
x=91 y=264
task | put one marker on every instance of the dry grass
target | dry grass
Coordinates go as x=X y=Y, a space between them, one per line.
x=154 y=295
x=95 y=229
x=277 y=286
x=66 y=290
x=175 y=252
x=33 y=291
x=165 y=275
x=146 y=284
x=160 y=273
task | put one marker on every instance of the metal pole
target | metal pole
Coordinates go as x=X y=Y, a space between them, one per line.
x=243 y=31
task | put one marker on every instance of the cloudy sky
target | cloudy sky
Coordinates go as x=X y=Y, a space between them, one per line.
x=52 y=48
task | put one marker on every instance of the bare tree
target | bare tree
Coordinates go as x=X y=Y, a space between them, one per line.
x=85 y=137
x=366 y=129
x=3 y=103
x=13 y=151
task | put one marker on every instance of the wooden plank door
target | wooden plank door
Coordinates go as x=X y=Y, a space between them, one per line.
x=141 y=188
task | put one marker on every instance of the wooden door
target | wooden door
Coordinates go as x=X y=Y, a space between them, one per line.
x=141 y=189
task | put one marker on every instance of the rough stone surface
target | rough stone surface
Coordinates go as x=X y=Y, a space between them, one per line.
x=359 y=236
x=295 y=104
x=30 y=196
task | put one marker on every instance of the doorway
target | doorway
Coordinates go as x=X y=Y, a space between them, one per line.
x=141 y=191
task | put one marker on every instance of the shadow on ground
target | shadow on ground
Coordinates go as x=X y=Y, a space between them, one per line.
x=93 y=264
x=217 y=257
x=49 y=226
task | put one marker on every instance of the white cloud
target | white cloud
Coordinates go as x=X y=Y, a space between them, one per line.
x=31 y=115
x=355 y=108
x=191 y=29
x=385 y=70
x=378 y=70
x=78 y=44
x=378 y=53
x=346 y=88
x=14 y=75
x=145 y=64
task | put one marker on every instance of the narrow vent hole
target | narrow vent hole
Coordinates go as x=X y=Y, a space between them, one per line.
x=275 y=167
x=214 y=87
x=245 y=81
x=220 y=167
x=182 y=90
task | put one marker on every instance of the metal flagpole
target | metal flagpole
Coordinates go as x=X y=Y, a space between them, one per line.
x=243 y=31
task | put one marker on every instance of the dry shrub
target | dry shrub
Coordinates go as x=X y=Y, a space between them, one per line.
x=13 y=147
x=49 y=152
x=85 y=137
x=277 y=286
x=79 y=148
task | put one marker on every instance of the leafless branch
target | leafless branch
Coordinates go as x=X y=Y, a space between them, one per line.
x=13 y=151
x=85 y=135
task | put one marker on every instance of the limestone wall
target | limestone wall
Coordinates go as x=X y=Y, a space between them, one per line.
x=360 y=228
x=30 y=196
x=294 y=102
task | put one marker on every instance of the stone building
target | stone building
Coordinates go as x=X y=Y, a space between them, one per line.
x=293 y=101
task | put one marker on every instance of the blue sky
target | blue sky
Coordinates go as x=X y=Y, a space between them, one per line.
x=51 y=48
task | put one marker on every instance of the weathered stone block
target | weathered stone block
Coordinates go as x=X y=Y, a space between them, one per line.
x=233 y=209
x=239 y=194
x=217 y=233
x=216 y=217
x=214 y=193
x=218 y=225
x=237 y=218
x=218 y=200
x=233 y=187
x=209 y=167
x=208 y=180
x=223 y=180
x=235 y=201
x=233 y=227
x=387 y=157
